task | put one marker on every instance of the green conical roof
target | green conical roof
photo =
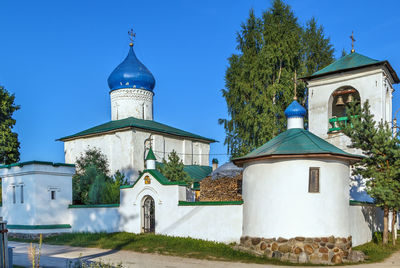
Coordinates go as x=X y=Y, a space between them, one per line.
x=295 y=142
x=350 y=62
x=150 y=155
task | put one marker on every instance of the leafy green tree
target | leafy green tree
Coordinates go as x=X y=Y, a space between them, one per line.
x=381 y=166
x=91 y=182
x=259 y=79
x=173 y=169
x=92 y=157
x=9 y=144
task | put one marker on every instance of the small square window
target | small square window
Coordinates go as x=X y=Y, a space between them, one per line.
x=53 y=195
x=313 y=181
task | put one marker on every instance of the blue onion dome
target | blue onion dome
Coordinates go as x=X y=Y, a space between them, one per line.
x=131 y=73
x=295 y=110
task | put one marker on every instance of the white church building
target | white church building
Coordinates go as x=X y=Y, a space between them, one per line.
x=299 y=203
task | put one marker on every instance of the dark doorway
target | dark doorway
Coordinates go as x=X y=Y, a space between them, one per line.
x=148 y=215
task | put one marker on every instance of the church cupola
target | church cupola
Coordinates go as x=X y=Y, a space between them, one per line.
x=150 y=160
x=131 y=73
x=295 y=115
x=131 y=88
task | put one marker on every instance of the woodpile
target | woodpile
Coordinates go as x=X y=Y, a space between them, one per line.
x=222 y=189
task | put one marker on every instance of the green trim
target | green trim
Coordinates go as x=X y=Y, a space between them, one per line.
x=361 y=203
x=35 y=162
x=94 y=206
x=125 y=186
x=209 y=203
x=38 y=227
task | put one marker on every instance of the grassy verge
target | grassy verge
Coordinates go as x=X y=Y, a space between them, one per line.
x=192 y=248
x=375 y=251
x=152 y=243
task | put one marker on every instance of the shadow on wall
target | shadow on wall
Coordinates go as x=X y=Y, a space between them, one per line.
x=358 y=190
x=131 y=174
x=373 y=217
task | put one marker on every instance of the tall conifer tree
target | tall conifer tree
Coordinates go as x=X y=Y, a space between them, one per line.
x=381 y=166
x=9 y=144
x=259 y=80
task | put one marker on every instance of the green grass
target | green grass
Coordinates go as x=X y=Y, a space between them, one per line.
x=192 y=248
x=375 y=251
x=152 y=243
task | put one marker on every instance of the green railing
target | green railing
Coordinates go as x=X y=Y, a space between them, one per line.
x=336 y=123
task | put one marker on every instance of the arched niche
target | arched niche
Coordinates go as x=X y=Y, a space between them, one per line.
x=338 y=102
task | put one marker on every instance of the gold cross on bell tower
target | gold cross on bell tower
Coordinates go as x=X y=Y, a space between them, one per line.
x=132 y=36
x=352 y=42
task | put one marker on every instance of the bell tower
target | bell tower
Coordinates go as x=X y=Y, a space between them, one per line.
x=353 y=78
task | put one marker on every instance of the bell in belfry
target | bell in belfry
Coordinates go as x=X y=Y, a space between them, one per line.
x=350 y=98
x=339 y=101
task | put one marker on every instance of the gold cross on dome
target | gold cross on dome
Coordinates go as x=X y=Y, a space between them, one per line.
x=352 y=41
x=132 y=36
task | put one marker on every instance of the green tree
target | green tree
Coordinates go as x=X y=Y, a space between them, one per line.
x=91 y=182
x=173 y=169
x=92 y=157
x=259 y=79
x=9 y=144
x=381 y=165
x=318 y=50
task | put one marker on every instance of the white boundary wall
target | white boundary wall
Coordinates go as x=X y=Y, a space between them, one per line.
x=95 y=219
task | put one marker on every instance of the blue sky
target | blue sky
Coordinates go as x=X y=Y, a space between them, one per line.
x=56 y=57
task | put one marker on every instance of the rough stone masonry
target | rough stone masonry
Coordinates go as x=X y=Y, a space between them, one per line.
x=318 y=250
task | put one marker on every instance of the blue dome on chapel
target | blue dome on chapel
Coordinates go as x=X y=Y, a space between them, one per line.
x=295 y=110
x=131 y=73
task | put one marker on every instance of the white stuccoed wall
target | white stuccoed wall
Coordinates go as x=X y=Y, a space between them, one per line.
x=131 y=102
x=38 y=208
x=372 y=83
x=277 y=202
x=125 y=150
x=216 y=223
x=96 y=219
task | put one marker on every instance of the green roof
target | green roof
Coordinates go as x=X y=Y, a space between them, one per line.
x=35 y=162
x=158 y=176
x=150 y=155
x=295 y=141
x=196 y=172
x=132 y=122
x=350 y=62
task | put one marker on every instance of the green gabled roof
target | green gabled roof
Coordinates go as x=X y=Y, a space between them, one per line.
x=158 y=176
x=295 y=142
x=132 y=122
x=196 y=172
x=150 y=155
x=352 y=61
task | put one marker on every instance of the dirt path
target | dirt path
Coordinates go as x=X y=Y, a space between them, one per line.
x=58 y=256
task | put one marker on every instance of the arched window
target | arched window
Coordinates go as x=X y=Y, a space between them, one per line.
x=338 y=103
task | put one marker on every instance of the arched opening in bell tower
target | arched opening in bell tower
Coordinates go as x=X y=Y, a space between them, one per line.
x=338 y=103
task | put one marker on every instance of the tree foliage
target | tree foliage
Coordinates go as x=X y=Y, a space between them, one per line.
x=259 y=79
x=381 y=165
x=92 y=184
x=9 y=144
x=173 y=168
